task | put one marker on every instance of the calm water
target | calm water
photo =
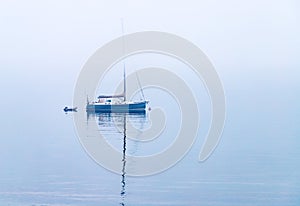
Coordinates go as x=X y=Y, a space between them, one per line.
x=256 y=163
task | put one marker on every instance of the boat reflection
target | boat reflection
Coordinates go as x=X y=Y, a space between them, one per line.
x=119 y=122
x=116 y=119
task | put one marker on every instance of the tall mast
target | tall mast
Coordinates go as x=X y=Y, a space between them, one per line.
x=124 y=70
x=124 y=77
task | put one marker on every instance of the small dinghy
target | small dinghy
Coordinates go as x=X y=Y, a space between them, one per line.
x=66 y=109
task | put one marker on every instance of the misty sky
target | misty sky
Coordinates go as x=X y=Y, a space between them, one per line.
x=254 y=45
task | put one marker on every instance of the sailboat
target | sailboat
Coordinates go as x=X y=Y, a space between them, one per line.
x=106 y=104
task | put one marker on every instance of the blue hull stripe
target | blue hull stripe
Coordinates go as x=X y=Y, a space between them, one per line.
x=132 y=107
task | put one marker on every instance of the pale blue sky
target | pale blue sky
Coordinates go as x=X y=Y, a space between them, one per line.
x=254 y=45
x=61 y=35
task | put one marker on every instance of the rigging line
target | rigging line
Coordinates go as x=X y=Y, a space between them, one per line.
x=139 y=82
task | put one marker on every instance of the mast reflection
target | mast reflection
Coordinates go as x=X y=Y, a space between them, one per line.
x=117 y=122
x=123 y=181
